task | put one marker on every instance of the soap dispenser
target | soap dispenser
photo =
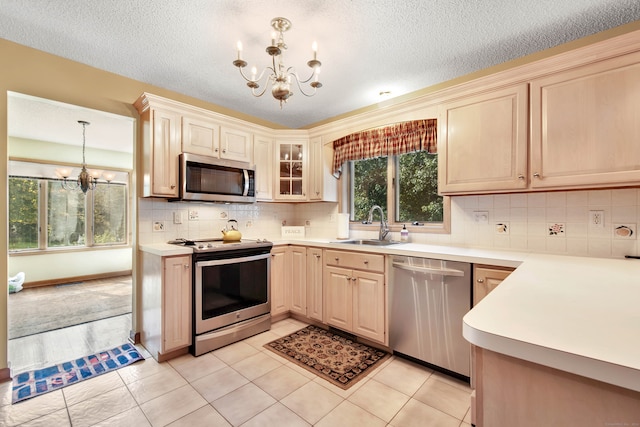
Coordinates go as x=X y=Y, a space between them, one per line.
x=404 y=234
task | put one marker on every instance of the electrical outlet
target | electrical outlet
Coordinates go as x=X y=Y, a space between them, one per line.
x=596 y=219
x=249 y=224
x=193 y=215
x=158 y=225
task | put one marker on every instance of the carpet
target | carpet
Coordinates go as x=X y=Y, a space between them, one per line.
x=36 y=310
x=333 y=357
x=34 y=383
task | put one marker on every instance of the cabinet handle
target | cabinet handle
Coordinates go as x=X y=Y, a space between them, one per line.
x=480 y=280
x=536 y=175
x=521 y=177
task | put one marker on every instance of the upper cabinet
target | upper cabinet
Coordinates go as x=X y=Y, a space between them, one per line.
x=586 y=125
x=161 y=145
x=323 y=186
x=263 y=161
x=201 y=136
x=236 y=144
x=291 y=170
x=483 y=142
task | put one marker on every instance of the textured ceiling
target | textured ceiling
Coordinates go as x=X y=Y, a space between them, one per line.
x=366 y=46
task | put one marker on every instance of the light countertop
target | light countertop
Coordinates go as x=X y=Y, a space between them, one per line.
x=576 y=314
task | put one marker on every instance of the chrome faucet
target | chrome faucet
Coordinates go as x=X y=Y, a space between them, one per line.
x=384 y=229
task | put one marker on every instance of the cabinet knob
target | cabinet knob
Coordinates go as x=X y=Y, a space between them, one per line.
x=337 y=259
x=316 y=255
x=216 y=150
x=186 y=266
x=224 y=150
x=366 y=262
x=536 y=175
x=480 y=280
x=353 y=279
x=521 y=177
x=317 y=193
x=173 y=186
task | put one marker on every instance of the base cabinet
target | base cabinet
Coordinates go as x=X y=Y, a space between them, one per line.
x=486 y=278
x=355 y=293
x=280 y=281
x=314 y=284
x=166 y=304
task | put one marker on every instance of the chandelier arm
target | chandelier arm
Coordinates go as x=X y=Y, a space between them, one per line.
x=298 y=83
x=257 y=95
x=292 y=71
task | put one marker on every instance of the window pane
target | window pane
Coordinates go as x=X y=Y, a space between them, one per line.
x=65 y=215
x=418 y=188
x=109 y=214
x=23 y=213
x=369 y=187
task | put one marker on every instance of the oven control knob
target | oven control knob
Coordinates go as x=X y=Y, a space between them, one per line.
x=209 y=245
x=200 y=246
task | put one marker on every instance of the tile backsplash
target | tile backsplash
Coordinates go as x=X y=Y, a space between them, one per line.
x=600 y=223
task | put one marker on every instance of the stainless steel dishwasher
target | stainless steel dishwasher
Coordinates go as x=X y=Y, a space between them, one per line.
x=428 y=298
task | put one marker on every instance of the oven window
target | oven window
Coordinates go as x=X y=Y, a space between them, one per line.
x=231 y=287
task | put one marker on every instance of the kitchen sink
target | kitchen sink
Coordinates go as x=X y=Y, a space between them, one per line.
x=370 y=242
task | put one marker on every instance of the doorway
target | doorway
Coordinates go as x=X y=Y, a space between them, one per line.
x=80 y=257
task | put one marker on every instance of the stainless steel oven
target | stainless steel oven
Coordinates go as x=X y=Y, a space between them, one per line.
x=231 y=292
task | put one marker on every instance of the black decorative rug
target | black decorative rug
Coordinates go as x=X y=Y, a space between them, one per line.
x=333 y=357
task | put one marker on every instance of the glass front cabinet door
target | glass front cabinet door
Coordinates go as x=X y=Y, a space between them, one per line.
x=292 y=173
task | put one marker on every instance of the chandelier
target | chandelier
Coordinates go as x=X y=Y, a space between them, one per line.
x=279 y=75
x=86 y=181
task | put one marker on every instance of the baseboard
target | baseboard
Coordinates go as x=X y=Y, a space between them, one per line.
x=5 y=375
x=134 y=337
x=64 y=280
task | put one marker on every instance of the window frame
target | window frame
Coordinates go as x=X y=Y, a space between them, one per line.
x=89 y=215
x=393 y=197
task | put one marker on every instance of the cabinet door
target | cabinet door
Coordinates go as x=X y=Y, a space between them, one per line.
x=487 y=279
x=298 y=260
x=483 y=142
x=200 y=136
x=280 y=287
x=263 y=162
x=586 y=125
x=338 y=299
x=369 y=305
x=176 y=284
x=235 y=145
x=291 y=170
x=314 y=284
x=164 y=153
x=323 y=186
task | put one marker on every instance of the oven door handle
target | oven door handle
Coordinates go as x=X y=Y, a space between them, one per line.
x=232 y=260
x=246 y=182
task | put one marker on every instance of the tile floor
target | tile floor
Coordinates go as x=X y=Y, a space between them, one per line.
x=244 y=384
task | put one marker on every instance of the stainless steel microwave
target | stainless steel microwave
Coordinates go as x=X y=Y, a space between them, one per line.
x=208 y=179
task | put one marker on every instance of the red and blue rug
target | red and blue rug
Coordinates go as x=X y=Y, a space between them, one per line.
x=34 y=383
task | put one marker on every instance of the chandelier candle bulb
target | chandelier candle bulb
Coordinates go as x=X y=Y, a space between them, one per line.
x=314 y=47
x=239 y=46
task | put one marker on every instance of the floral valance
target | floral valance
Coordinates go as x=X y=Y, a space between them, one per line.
x=399 y=138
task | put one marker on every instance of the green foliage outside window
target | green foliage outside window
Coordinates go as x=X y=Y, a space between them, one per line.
x=109 y=221
x=369 y=186
x=23 y=213
x=419 y=199
x=416 y=188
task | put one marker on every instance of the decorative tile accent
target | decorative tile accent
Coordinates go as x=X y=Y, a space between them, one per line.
x=624 y=231
x=555 y=228
x=502 y=228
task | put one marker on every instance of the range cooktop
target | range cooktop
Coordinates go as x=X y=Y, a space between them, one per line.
x=217 y=244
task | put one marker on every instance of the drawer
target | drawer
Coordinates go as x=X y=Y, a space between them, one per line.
x=355 y=260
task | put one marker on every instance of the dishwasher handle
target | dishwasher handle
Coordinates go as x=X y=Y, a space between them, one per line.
x=429 y=270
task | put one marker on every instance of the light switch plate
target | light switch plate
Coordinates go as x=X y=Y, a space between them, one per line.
x=481 y=217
